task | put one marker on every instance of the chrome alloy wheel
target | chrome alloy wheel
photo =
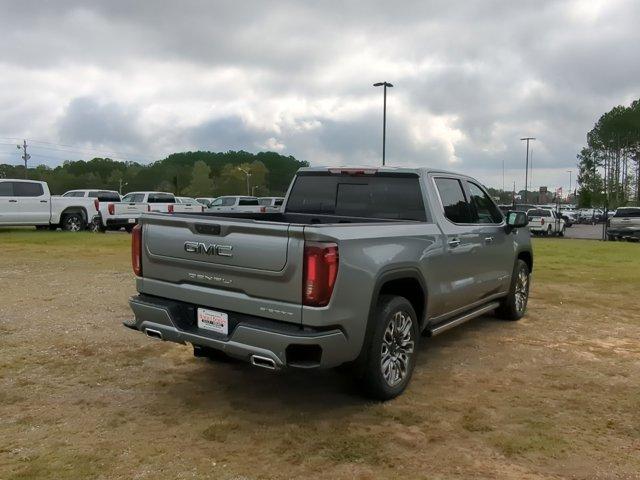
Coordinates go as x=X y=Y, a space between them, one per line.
x=73 y=223
x=522 y=290
x=397 y=348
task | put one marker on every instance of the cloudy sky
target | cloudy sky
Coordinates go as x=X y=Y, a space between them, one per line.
x=139 y=80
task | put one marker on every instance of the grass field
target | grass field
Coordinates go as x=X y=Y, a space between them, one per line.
x=556 y=395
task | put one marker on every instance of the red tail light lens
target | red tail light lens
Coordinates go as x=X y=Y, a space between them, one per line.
x=320 y=273
x=136 y=250
x=96 y=203
x=170 y=208
x=111 y=208
x=263 y=209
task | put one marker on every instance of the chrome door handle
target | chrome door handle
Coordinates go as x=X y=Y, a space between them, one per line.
x=488 y=239
x=454 y=242
x=43 y=201
x=13 y=201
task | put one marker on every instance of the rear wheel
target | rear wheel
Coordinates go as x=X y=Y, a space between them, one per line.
x=561 y=232
x=514 y=305
x=73 y=222
x=390 y=356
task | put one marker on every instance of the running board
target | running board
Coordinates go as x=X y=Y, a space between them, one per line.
x=443 y=327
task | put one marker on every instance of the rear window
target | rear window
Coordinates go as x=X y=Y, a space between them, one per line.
x=161 y=198
x=385 y=196
x=627 y=212
x=105 y=196
x=248 y=201
x=539 y=213
x=265 y=201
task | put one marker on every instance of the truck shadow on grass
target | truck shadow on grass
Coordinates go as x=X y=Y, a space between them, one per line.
x=240 y=386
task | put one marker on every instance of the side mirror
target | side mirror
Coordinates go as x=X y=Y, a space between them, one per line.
x=517 y=220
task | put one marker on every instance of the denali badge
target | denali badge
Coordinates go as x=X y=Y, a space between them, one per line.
x=210 y=249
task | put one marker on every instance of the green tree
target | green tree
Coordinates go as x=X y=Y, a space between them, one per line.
x=201 y=182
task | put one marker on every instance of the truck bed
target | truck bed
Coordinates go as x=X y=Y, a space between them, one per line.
x=293 y=218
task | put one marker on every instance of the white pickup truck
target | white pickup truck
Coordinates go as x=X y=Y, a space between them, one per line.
x=544 y=221
x=273 y=204
x=237 y=204
x=112 y=214
x=29 y=202
x=163 y=202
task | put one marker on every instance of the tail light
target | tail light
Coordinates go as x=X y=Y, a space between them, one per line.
x=111 y=208
x=320 y=273
x=170 y=208
x=136 y=250
x=542 y=221
x=96 y=203
x=263 y=209
x=148 y=208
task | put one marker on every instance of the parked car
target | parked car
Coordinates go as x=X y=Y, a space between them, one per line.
x=625 y=224
x=569 y=217
x=236 y=204
x=341 y=275
x=544 y=221
x=29 y=202
x=272 y=204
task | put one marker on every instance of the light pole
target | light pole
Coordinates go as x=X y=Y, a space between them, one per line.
x=570 y=180
x=248 y=174
x=384 y=116
x=526 y=169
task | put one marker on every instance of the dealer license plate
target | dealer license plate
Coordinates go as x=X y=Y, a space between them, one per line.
x=215 y=321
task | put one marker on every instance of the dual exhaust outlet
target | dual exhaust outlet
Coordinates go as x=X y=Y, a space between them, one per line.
x=256 y=360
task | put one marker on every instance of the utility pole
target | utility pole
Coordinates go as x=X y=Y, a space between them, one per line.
x=248 y=174
x=526 y=169
x=121 y=184
x=25 y=155
x=384 y=117
x=570 y=180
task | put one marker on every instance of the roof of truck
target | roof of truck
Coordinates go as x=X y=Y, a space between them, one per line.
x=416 y=170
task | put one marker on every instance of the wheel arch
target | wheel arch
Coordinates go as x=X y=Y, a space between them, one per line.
x=527 y=257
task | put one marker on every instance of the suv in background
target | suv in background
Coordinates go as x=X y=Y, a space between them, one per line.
x=625 y=224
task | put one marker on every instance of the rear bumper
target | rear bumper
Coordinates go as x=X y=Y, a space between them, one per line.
x=119 y=222
x=287 y=345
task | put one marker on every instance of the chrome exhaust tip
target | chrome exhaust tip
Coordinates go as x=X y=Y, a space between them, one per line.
x=263 y=362
x=153 y=333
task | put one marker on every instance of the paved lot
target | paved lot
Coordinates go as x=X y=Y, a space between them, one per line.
x=586 y=232
x=555 y=395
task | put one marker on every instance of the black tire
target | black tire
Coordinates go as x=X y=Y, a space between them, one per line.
x=129 y=228
x=561 y=232
x=96 y=226
x=73 y=222
x=398 y=346
x=514 y=305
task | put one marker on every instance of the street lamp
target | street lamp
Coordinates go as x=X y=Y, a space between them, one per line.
x=248 y=174
x=384 y=116
x=526 y=170
x=570 y=180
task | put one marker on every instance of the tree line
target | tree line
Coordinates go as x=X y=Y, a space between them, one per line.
x=195 y=174
x=609 y=165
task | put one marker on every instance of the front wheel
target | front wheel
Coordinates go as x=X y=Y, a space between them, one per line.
x=73 y=222
x=561 y=232
x=391 y=353
x=514 y=305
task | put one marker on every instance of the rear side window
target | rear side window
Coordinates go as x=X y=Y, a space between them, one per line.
x=369 y=196
x=27 y=189
x=279 y=202
x=454 y=202
x=248 y=201
x=161 y=198
x=74 y=194
x=485 y=211
x=133 y=198
x=627 y=212
x=264 y=201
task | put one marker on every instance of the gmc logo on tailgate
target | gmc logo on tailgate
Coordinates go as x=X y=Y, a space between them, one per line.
x=208 y=249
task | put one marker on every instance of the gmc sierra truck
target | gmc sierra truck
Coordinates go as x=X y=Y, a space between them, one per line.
x=28 y=202
x=355 y=268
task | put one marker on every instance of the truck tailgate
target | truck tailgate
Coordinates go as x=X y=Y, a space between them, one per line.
x=133 y=209
x=242 y=265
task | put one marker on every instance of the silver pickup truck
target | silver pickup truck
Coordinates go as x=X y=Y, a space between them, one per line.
x=357 y=266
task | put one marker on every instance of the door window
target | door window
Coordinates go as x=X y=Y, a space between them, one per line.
x=483 y=208
x=27 y=189
x=454 y=202
x=217 y=202
x=228 y=202
x=6 y=189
